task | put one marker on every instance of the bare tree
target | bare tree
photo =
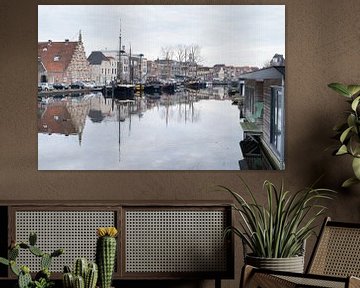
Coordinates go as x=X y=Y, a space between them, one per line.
x=168 y=54
x=194 y=56
x=188 y=56
x=180 y=55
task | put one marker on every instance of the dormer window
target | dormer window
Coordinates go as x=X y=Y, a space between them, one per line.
x=56 y=58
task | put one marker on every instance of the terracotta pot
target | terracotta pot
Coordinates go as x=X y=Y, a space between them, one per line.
x=291 y=264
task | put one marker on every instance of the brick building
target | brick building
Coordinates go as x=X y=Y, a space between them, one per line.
x=64 y=61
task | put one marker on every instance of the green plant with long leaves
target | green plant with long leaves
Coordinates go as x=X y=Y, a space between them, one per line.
x=348 y=132
x=279 y=229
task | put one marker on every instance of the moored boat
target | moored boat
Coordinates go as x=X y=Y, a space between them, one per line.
x=119 y=91
x=168 y=88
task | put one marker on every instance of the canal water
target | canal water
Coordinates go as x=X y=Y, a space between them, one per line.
x=196 y=130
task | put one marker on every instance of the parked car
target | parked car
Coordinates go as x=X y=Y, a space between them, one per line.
x=89 y=85
x=77 y=85
x=60 y=86
x=44 y=86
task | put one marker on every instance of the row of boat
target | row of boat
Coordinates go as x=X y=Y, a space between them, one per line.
x=127 y=91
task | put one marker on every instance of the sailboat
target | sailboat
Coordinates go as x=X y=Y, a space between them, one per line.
x=118 y=89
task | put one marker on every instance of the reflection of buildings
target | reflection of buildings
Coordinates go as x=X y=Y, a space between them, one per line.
x=68 y=116
x=56 y=119
x=64 y=117
x=264 y=124
x=100 y=108
x=63 y=61
x=78 y=111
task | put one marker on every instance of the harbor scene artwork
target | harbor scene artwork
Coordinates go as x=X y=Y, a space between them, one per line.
x=161 y=87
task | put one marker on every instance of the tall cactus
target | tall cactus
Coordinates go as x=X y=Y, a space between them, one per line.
x=106 y=254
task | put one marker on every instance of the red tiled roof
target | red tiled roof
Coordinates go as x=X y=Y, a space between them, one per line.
x=47 y=51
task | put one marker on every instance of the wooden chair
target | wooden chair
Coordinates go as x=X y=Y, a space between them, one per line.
x=335 y=262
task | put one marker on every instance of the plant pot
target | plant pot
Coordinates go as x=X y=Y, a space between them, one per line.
x=291 y=264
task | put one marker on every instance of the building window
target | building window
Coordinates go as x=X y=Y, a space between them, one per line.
x=56 y=58
x=277 y=120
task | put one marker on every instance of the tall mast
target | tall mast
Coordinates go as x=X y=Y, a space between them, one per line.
x=120 y=68
x=131 y=68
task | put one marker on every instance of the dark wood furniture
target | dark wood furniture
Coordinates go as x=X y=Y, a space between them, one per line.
x=157 y=240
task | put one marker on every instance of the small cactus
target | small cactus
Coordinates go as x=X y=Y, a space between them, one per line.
x=13 y=253
x=45 y=261
x=68 y=280
x=36 y=251
x=24 y=278
x=91 y=276
x=44 y=273
x=42 y=278
x=67 y=269
x=106 y=254
x=14 y=268
x=57 y=252
x=79 y=282
x=32 y=239
x=81 y=267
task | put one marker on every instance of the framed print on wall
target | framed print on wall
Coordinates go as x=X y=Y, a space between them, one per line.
x=161 y=87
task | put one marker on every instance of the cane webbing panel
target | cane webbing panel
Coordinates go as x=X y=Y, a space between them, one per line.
x=74 y=231
x=338 y=252
x=313 y=282
x=175 y=241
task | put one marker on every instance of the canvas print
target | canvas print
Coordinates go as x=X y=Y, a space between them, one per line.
x=161 y=87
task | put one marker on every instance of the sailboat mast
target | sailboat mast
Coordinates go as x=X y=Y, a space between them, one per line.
x=120 y=68
x=131 y=68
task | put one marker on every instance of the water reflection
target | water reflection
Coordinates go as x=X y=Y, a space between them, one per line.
x=189 y=130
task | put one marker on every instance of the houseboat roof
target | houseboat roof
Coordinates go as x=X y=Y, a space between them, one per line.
x=273 y=72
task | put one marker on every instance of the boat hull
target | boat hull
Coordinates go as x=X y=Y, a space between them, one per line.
x=119 y=91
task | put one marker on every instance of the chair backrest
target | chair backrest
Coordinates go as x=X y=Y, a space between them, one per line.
x=337 y=251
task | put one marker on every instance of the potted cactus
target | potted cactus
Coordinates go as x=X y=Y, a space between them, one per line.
x=106 y=254
x=42 y=278
x=84 y=275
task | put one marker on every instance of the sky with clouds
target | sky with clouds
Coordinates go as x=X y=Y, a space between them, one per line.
x=227 y=34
